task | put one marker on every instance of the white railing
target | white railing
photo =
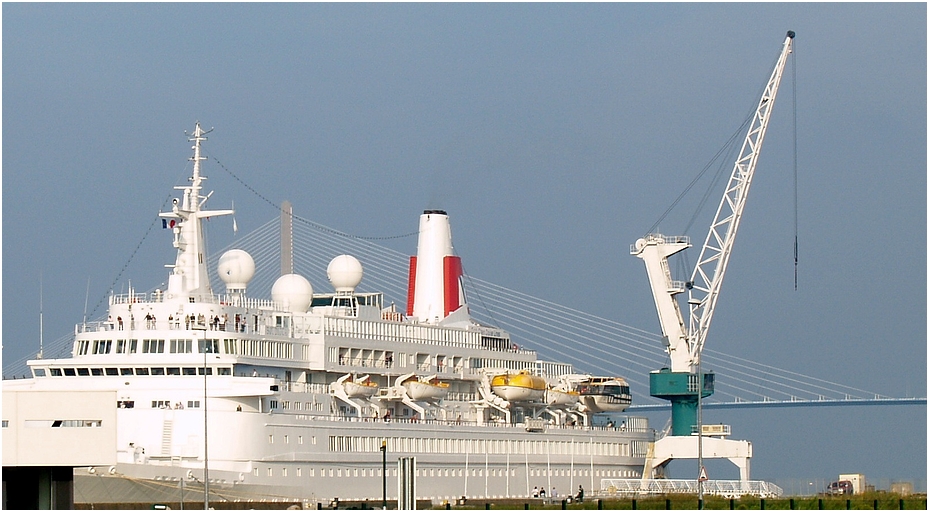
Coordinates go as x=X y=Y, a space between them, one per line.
x=725 y=488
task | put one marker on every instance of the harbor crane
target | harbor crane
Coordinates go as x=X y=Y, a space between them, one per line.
x=681 y=383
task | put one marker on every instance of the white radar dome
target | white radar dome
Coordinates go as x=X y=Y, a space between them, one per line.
x=344 y=273
x=294 y=292
x=236 y=268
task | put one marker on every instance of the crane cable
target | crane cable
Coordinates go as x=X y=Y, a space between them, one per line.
x=793 y=64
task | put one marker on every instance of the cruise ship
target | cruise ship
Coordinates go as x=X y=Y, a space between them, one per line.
x=310 y=394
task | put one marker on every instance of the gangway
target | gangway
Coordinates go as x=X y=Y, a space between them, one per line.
x=726 y=488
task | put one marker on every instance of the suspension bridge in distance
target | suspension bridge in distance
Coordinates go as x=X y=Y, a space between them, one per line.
x=591 y=343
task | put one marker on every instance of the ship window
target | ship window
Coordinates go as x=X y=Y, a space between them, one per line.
x=82 y=347
x=193 y=404
x=224 y=371
x=120 y=346
x=112 y=371
x=209 y=346
x=83 y=372
x=141 y=371
x=158 y=371
x=209 y=371
x=56 y=372
x=69 y=372
x=153 y=346
x=125 y=371
x=190 y=371
x=96 y=372
x=181 y=346
x=174 y=371
x=133 y=345
x=39 y=372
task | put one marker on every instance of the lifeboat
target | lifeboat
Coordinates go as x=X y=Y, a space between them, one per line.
x=359 y=388
x=425 y=388
x=519 y=387
x=605 y=394
x=561 y=397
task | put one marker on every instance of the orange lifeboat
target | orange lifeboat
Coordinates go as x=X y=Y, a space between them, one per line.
x=519 y=387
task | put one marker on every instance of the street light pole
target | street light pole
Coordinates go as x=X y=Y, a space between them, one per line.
x=384 y=472
x=201 y=331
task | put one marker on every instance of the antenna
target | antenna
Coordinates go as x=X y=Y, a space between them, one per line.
x=86 y=294
x=39 y=355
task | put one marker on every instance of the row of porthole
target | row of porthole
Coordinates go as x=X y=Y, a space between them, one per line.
x=115 y=372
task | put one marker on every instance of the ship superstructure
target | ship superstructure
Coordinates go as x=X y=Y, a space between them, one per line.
x=294 y=395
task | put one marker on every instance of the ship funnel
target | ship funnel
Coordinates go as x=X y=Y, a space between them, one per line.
x=435 y=289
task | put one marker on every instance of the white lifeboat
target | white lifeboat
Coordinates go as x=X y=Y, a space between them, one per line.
x=425 y=388
x=605 y=394
x=360 y=387
x=561 y=397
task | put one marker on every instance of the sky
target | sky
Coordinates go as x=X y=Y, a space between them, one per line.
x=555 y=135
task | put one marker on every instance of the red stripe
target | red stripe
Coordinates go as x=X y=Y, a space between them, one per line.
x=452 y=272
x=411 y=290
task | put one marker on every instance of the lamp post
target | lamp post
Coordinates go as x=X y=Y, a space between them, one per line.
x=200 y=333
x=384 y=473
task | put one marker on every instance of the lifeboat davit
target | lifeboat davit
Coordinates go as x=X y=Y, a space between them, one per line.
x=519 y=387
x=605 y=394
x=359 y=388
x=561 y=397
x=426 y=388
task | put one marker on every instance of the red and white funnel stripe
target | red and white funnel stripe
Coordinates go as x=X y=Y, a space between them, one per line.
x=435 y=289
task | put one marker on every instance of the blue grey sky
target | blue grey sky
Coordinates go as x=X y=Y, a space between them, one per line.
x=554 y=134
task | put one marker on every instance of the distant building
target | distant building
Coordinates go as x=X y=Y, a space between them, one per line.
x=902 y=488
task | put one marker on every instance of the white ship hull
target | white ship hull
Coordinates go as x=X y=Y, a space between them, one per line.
x=258 y=394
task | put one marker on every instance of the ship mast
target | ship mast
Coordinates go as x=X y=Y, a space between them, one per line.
x=189 y=278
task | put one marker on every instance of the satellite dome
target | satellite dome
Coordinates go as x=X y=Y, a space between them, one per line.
x=236 y=268
x=294 y=292
x=344 y=273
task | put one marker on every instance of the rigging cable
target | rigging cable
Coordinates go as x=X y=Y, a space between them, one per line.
x=793 y=63
x=308 y=222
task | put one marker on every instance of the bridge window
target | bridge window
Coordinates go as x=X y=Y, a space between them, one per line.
x=83 y=372
x=190 y=371
x=125 y=371
x=39 y=372
x=56 y=372
x=141 y=371
x=69 y=372
x=174 y=371
x=112 y=371
x=158 y=371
